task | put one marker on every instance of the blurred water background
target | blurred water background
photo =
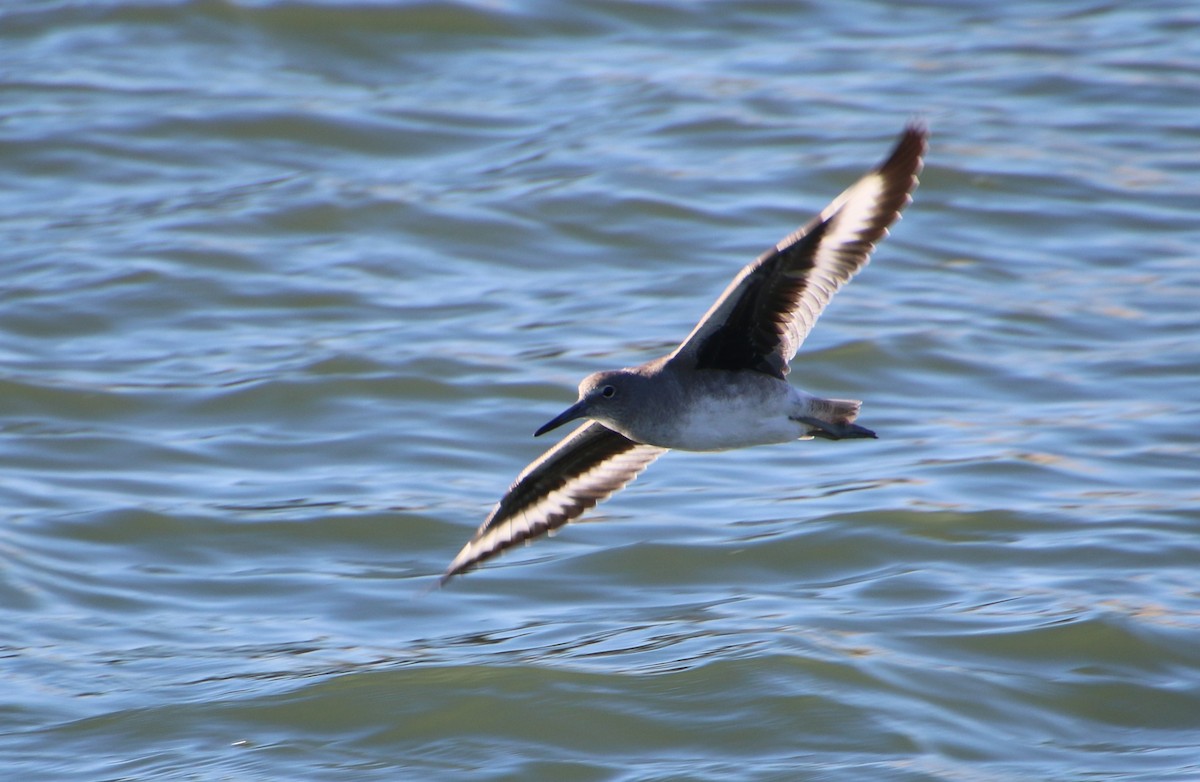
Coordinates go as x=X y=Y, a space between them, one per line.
x=288 y=285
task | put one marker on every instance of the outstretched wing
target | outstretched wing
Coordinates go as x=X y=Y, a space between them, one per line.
x=766 y=312
x=584 y=468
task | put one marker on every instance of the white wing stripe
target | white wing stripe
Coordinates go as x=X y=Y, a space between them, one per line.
x=559 y=506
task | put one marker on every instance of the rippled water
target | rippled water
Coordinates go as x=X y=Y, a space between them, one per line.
x=288 y=286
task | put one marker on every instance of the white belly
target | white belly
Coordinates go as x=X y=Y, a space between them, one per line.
x=756 y=412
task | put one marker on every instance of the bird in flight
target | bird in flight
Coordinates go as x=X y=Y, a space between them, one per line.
x=725 y=385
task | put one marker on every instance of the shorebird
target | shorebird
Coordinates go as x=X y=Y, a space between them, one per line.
x=725 y=385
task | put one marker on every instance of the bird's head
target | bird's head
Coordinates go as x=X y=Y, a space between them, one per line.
x=603 y=396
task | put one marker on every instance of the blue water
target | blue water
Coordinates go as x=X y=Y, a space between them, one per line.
x=288 y=285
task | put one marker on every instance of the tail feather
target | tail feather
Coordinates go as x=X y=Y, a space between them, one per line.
x=833 y=419
x=840 y=411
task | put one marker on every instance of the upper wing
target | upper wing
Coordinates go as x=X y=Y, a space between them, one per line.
x=766 y=312
x=584 y=468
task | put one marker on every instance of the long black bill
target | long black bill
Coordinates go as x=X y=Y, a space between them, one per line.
x=577 y=410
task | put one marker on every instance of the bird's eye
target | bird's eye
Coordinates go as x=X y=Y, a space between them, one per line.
x=608 y=392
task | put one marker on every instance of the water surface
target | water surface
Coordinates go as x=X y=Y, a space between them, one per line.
x=289 y=285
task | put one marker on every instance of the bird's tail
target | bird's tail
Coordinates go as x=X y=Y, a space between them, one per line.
x=841 y=411
x=833 y=419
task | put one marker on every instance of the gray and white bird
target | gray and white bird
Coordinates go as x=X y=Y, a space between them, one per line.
x=725 y=385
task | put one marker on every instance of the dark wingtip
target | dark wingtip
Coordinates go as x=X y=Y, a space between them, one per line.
x=908 y=156
x=900 y=171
